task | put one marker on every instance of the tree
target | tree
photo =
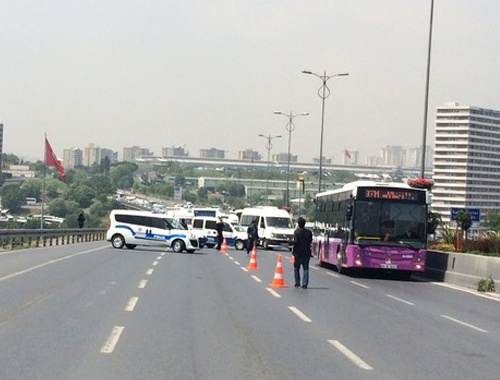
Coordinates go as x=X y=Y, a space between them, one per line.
x=32 y=188
x=492 y=221
x=464 y=220
x=13 y=198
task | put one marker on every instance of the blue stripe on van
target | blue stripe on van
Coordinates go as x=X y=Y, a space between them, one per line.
x=151 y=236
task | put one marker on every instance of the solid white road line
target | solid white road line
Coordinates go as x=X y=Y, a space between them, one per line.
x=493 y=296
x=299 y=314
x=464 y=324
x=48 y=263
x=359 y=284
x=155 y=263
x=142 y=284
x=256 y=278
x=131 y=303
x=273 y=292
x=110 y=344
x=400 y=300
x=150 y=272
x=350 y=355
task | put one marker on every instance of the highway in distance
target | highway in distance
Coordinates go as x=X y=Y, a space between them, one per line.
x=88 y=311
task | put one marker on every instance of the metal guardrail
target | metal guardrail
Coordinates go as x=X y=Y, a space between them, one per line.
x=14 y=239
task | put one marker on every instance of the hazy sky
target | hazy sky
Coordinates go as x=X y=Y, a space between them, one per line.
x=210 y=73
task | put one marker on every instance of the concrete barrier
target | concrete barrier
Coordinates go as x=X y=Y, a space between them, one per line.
x=462 y=269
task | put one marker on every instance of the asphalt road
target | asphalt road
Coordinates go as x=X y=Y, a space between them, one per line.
x=88 y=311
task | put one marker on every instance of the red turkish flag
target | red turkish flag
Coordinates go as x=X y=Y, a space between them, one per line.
x=51 y=160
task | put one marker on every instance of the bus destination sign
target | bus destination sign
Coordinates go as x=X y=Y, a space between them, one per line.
x=390 y=194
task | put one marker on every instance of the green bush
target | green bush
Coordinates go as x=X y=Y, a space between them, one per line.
x=446 y=247
x=486 y=285
x=487 y=247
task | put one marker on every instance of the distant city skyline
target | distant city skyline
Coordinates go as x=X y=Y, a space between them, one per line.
x=212 y=74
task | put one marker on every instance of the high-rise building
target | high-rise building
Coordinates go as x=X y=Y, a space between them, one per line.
x=93 y=155
x=466 y=161
x=72 y=158
x=392 y=155
x=110 y=155
x=249 y=155
x=212 y=153
x=130 y=154
x=283 y=157
x=174 y=151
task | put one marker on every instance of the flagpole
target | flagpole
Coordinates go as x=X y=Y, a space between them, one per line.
x=43 y=177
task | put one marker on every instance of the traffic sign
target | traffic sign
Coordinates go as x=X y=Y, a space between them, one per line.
x=475 y=213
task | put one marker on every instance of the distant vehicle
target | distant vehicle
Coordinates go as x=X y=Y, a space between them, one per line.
x=275 y=225
x=131 y=228
x=234 y=233
x=30 y=201
x=376 y=225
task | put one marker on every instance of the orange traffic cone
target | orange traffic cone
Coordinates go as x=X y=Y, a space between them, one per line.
x=252 y=265
x=278 y=281
x=223 y=247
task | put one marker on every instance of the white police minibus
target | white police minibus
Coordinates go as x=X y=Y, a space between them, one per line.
x=131 y=228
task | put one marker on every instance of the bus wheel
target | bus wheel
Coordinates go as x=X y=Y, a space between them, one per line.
x=178 y=246
x=239 y=245
x=117 y=241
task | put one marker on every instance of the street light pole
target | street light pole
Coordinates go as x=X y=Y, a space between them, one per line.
x=323 y=93
x=426 y=102
x=290 y=127
x=269 y=146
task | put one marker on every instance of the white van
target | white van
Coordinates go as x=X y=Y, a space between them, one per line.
x=131 y=228
x=235 y=234
x=275 y=225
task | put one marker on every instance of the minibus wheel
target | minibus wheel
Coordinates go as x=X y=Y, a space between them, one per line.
x=117 y=241
x=178 y=246
x=239 y=245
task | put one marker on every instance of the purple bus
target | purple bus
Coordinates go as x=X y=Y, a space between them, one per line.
x=376 y=225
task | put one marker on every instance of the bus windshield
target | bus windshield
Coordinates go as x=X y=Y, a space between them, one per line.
x=398 y=223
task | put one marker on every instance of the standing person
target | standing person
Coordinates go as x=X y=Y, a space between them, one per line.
x=253 y=235
x=220 y=229
x=81 y=219
x=302 y=239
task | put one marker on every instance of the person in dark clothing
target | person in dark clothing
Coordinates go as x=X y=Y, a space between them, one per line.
x=253 y=235
x=220 y=237
x=81 y=219
x=302 y=239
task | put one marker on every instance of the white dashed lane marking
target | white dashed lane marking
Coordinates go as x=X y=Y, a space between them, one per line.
x=400 y=300
x=350 y=355
x=464 y=324
x=110 y=344
x=299 y=314
x=131 y=303
x=142 y=284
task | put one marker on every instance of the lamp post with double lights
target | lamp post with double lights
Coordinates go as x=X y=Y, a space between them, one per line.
x=290 y=127
x=323 y=92
x=269 y=146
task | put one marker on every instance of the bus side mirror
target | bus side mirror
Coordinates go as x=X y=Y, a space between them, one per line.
x=348 y=212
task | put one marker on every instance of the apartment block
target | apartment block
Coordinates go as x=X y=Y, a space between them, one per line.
x=466 y=161
x=212 y=153
x=174 y=151
x=72 y=158
x=249 y=155
x=131 y=153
